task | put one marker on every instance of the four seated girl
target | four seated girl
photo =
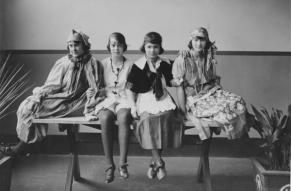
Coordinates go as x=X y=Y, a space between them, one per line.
x=119 y=90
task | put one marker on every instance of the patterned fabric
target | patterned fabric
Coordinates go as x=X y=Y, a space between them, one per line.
x=62 y=94
x=207 y=104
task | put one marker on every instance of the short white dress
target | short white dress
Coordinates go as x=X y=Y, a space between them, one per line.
x=114 y=81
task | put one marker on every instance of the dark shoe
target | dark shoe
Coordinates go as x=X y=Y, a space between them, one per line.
x=7 y=150
x=123 y=172
x=151 y=173
x=109 y=174
x=161 y=170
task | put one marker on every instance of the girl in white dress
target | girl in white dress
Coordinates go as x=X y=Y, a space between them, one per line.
x=115 y=106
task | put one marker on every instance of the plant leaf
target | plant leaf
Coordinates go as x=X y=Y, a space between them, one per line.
x=12 y=85
x=267 y=129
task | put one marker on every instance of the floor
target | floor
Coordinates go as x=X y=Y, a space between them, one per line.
x=40 y=172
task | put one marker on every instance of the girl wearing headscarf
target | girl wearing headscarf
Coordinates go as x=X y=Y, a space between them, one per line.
x=201 y=97
x=63 y=93
x=158 y=127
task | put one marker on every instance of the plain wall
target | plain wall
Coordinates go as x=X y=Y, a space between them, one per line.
x=290 y=25
x=1 y=25
x=236 y=25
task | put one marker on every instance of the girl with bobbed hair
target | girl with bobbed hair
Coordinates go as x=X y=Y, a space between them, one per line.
x=200 y=94
x=115 y=106
x=158 y=127
x=63 y=93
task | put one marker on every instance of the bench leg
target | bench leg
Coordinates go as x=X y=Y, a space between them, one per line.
x=203 y=173
x=69 y=179
x=74 y=168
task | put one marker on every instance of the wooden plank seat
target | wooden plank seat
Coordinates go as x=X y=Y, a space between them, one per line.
x=72 y=125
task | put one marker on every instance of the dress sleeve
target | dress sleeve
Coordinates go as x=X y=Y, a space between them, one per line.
x=178 y=69
x=95 y=74
x=132 y=81
x=54 y=80
x=167 y=72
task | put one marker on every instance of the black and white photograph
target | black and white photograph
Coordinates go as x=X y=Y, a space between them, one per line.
x=145 y=95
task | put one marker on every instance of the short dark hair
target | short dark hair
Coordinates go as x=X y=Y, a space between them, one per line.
x=119 y=38
x=154 y=38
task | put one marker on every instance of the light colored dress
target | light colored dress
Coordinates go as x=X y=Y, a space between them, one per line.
x=114 y=82
x=62 y=94
x=207 y=104
x=158 y=126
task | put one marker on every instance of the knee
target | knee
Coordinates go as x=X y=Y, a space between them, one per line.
x=106 y=116
x=124 y=116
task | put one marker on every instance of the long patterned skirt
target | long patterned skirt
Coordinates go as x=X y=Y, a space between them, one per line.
x=220 y=109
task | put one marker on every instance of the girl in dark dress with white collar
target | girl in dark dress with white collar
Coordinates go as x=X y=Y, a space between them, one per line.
x=157 y=128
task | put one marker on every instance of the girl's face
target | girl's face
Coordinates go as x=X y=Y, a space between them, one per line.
x=198 y=44
x=152 y=50
x=116 y=49
x=76 y=48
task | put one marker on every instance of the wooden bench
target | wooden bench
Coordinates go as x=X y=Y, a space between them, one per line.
x=72 y=125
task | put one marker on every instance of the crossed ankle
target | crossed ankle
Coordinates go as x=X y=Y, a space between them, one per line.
x=123 y=164
x=160 y=163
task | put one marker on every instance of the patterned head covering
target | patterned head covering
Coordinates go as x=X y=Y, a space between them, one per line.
x=200 y=32
x=77 y=35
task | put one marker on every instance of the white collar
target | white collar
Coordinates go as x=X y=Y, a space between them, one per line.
x=140 y=63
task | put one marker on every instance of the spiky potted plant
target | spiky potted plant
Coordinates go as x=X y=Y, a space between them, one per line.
x=272 y=169
x=13 y=83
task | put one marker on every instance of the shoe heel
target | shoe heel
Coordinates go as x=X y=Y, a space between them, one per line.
x=151 y=173
x=109 y=174
x=123 y=172
x=161 y=170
